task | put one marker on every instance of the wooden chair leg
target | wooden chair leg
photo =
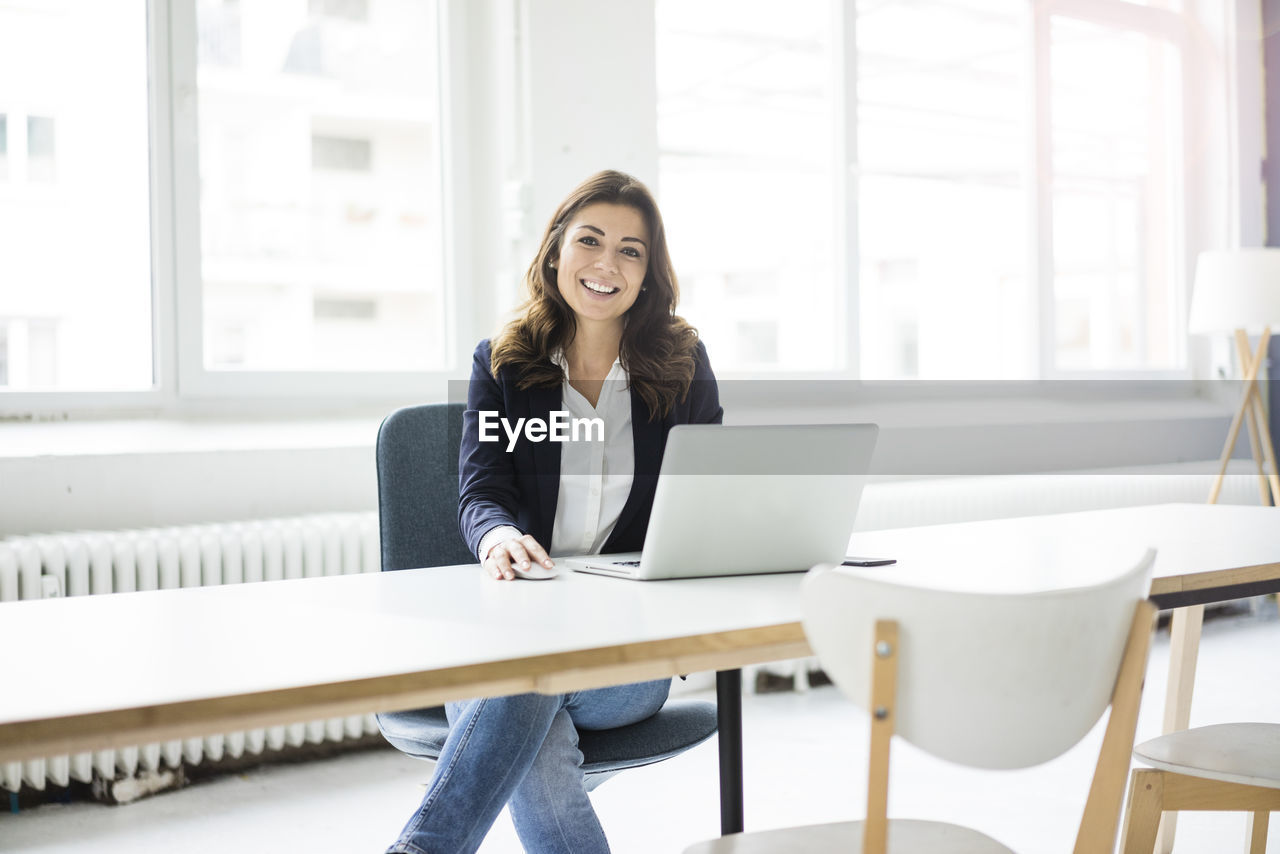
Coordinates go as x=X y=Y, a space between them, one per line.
x=1255 y=839
x=1101 y=818
x=884 y=714
x=1142 y=815
x=1184 y=647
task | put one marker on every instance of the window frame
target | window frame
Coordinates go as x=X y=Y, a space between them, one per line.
x=196 y=382
x=162 y=396
x=180 y=385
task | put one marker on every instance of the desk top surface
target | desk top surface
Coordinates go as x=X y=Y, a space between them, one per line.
x=1198 y=545
x=101 y=652
x=87 y=655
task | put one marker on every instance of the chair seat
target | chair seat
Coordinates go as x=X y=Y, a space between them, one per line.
x=1247 y=753
x=905 y=837
x=678 y=725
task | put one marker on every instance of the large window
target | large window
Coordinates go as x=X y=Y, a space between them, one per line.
x=196 y=189
x=1117 y=129
x=75 y=268
x=895 y=158
x=941 y=157
x=320 y=208
x=747 y=135
x=209 y=204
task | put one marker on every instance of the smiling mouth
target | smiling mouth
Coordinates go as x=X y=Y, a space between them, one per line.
x=598 y=288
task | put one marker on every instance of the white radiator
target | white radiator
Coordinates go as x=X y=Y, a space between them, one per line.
x=92 y=563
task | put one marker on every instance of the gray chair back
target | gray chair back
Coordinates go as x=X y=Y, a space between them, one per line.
x=417 y=455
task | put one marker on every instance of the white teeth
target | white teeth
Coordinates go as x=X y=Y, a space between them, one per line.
x=600 y=289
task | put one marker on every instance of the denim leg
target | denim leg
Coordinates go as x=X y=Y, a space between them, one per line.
x=522 y=748
x=550 y=807
x=618 y=705
x=491 y=744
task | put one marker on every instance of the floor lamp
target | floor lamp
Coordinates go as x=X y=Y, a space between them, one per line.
x=1237 y=291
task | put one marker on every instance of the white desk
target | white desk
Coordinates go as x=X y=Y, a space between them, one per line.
x=133 y=668
x=1207 y=552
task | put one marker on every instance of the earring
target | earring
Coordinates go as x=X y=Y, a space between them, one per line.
x=552 y=264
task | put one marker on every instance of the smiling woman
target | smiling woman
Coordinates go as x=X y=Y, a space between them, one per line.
x=597 y=340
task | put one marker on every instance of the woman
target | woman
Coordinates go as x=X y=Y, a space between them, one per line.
x=597 y=338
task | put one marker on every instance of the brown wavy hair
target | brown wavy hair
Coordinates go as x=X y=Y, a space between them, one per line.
x=657 y=347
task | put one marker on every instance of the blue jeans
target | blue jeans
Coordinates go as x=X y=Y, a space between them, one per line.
x=522 y=750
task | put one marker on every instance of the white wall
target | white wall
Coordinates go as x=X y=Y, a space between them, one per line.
x=129 y=474
x=591 y=95
x=126 y=474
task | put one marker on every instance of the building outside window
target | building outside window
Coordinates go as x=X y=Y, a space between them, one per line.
x=76 y=276
x=745 y=127
x=320 y=185
x=42 y=149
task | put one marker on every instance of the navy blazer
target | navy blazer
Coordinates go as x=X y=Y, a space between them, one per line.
x=521 y=488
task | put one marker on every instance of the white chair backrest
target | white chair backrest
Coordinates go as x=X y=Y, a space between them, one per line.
x=985 y=680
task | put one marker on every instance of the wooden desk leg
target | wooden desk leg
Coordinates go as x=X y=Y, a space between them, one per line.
x=1184 y=647
x=729 y=714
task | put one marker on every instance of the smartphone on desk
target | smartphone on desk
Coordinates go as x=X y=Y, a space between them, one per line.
x=868 y=561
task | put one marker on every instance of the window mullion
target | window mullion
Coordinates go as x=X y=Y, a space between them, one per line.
x=188 y=316
x=1041 y=256
x=163 y=271
x=846 y=153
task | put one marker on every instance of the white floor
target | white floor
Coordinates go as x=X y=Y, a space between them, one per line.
x=805 y=760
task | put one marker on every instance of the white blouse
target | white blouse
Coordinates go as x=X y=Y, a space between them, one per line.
x=595 y=476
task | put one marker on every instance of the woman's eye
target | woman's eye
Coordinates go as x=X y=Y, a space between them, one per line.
x=588 y=240
x=634 y=253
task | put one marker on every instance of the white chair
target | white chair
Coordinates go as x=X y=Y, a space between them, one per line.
x=1227 y=767
x=981 y=679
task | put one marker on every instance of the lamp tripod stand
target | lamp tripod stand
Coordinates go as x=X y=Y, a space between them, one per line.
x=1253 y=412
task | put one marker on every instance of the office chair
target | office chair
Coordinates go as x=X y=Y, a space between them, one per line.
x=417 y=456
x=987 y=680
x=1232 y=767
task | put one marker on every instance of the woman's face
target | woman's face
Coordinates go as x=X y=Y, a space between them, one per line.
x=603 y=258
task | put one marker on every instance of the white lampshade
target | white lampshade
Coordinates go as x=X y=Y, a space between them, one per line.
x=1235 y=289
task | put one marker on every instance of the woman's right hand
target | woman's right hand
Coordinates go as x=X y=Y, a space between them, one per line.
x=522 y=552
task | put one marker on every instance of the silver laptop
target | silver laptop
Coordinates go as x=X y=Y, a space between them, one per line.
x=748 y=500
